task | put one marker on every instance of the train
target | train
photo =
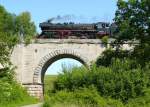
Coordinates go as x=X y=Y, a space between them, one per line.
x=76 y=30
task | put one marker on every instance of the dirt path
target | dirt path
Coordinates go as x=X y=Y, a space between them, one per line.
x=34 y=105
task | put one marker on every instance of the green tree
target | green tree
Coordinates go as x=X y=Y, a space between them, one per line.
x=8 y=39
x=10 y=29
x=14 y=25
x=25 y=26
x=133 y=20
x=11 y=91
x=7 y=23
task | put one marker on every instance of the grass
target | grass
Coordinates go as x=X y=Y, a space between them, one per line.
x=27 y=101
x=23 y=99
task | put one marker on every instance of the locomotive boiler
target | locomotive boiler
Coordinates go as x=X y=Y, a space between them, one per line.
x=76 y=31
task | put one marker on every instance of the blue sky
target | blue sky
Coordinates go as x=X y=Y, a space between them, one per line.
x=82 y=11
x=57 y=66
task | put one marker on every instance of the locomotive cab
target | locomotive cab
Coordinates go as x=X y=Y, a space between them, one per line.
x=103 y=29
x=101 y=25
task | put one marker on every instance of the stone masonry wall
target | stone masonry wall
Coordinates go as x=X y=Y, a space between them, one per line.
x=35 y=90
x=29 y=60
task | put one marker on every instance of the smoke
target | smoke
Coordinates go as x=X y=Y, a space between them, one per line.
x=75 y=19
x=65 y=18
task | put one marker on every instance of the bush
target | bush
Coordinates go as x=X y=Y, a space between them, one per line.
x=105 y=41
x=71 y=79
x=119 y=81
x=83 y=97
x=108 y=55
x=11 y=93
x=142 y=101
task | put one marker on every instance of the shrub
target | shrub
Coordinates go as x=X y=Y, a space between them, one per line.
x=83 y=97
x=108 y=55
x=119 y=81
x=11 y=93
x=105 y=41
x=141 y=101
x=71 y=79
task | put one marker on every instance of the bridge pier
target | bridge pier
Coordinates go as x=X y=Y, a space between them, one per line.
x=35 y=90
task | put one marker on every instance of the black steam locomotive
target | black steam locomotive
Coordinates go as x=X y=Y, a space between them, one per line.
x=76 y=31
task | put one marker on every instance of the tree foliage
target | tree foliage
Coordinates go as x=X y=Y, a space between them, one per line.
x=24 y=26
x=18 y=26
x=11 y=28
x=10 y=24
x=119 y=81
x=133 y=20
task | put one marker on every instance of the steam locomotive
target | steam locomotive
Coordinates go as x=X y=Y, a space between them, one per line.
x=76 y=31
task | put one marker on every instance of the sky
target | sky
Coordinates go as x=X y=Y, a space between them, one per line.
x=59 y=64
x=79 y=11
x=83 y=10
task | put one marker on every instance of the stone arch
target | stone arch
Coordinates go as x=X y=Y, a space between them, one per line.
x=47 y=60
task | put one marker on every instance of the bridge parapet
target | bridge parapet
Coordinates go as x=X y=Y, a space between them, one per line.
x=78 y=41
x=68 y=41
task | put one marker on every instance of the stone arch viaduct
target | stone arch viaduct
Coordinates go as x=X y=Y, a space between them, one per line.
x=32 y=61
